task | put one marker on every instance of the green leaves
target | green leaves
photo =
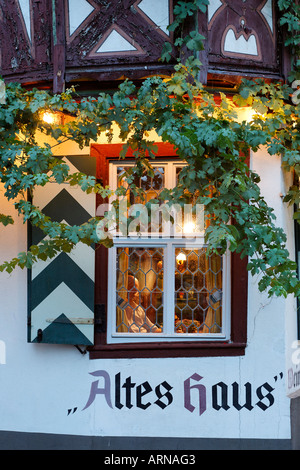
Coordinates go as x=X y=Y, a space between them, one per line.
x=195 y=41
x=6 y=219
x=184 y=9
x=166 y=53
x=290 y=15
x=207 y=136
x=192 y=40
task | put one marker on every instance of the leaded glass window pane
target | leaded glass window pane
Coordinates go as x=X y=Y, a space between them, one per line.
x=139 y=290
x=163 y=281
x=151 y=185
x=198 y=291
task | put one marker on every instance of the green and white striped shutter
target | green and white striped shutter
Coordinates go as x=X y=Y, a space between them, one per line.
x=61 y=289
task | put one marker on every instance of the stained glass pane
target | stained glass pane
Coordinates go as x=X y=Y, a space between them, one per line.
x=198 y=291
x=151 y=185
x=139 y=290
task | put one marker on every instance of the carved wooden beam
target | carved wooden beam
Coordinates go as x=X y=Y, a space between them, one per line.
x=58 y=36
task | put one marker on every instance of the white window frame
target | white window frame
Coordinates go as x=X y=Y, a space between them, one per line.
x=169 y=244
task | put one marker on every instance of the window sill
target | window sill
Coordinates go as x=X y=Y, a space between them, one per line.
x=167 y=350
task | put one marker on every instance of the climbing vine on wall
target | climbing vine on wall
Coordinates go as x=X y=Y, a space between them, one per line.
x=289 y=18
x=207 y=135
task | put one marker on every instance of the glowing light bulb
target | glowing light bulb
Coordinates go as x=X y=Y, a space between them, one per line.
x=51 y=118
x=189 y=227
x=181 y=258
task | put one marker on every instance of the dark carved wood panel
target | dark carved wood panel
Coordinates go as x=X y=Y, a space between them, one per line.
x=127 y=22
x=242 y=35
x=25 y=36
x=62 y=40
x=53 y=43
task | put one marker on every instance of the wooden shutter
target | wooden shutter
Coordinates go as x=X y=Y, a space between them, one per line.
x=61 y=289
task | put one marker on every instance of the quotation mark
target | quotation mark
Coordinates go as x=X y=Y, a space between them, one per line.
x=72 y=410
x=280 y=375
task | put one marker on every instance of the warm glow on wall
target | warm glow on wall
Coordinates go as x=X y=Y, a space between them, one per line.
x=52 y=118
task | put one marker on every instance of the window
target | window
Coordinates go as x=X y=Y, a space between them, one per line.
x=162 y=282
x=157 y=292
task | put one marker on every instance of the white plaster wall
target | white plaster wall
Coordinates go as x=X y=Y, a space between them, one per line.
x=41 y=383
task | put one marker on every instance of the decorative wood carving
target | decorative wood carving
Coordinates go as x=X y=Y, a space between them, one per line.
x=25 y=37
x=56 y=42
x=113 y=39
x=242 y=35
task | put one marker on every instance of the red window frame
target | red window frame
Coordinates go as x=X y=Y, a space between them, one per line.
x=235 y=346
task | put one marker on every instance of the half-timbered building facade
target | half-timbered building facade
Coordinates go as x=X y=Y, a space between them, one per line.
x=220 y=385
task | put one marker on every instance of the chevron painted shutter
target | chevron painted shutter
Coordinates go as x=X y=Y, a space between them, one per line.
x=61 y=289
